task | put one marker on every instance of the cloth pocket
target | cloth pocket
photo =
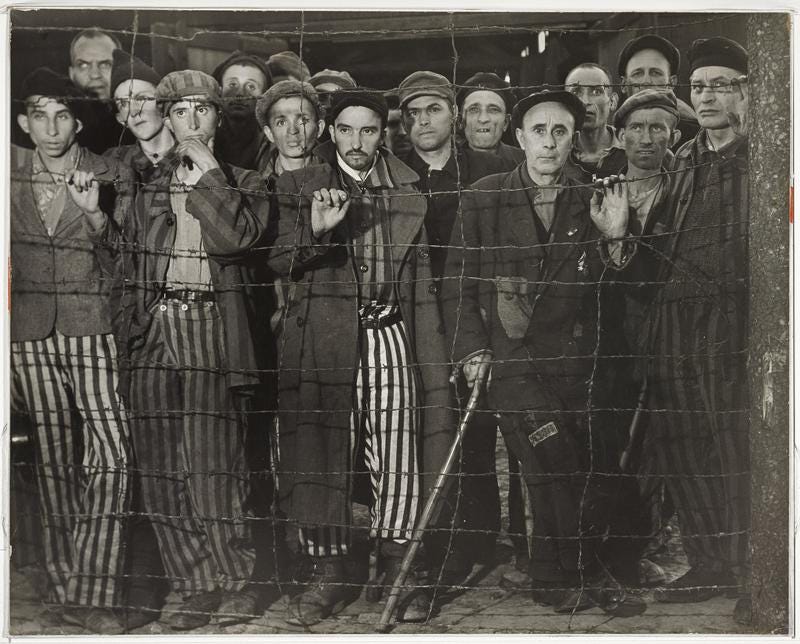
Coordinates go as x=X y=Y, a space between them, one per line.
x=514 y=308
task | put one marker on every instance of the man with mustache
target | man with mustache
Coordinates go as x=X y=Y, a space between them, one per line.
x=240 y=140
x=429 y=113
x=364 y=392
x=596 y=150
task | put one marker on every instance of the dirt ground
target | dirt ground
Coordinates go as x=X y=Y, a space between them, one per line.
x=480 y=605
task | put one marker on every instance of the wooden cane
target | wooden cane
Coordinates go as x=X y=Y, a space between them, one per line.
x=430 y=506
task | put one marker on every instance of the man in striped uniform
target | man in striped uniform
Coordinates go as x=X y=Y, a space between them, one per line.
x=699 y=433
x=186 y=332
x=63 y=198
x=361 y=316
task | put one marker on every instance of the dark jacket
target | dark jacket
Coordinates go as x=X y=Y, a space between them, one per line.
x=232 y=207
x=531 y=301
x=318 y=343
x=63 y=282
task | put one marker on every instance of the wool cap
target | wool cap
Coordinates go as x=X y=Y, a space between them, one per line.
x=187 y=82
x=486 y=81
x=342 y=79
x=242 y=58
x=649 y=97
x=717 y=51
x=43 y=81
x=361 y=96
x=285 y=89
x=127 y=67
x=567 y=99
x=286 y=64
x=649 y=41
x=425 y=84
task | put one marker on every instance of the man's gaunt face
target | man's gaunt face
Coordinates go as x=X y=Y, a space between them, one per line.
x=485 y=119
x=357 y=134
x=546 y=137
x=293 y=126
x=90 y=67
x=429 y=122
x=137 y=108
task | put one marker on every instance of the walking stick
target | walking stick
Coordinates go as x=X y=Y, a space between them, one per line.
x=634 y=431
x=430 y=506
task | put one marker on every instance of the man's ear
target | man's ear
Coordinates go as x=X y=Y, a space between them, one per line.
x=168 y=124
x=614 y=100
x=78 y=126
x=676 y=136
x=520 y=139
x=332 y=132
x=268 y=133
x=320 y=127
x=507 y=122
x=673 y=80
x=22 y=121
x=621 y=134
x=71 y=74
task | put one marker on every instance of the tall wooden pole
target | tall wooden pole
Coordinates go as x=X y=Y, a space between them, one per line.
x=768 y=37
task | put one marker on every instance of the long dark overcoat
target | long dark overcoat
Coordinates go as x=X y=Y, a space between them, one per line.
x=318 y=345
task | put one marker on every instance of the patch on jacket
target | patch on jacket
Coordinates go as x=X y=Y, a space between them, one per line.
x=514 y=307
x=543 y=433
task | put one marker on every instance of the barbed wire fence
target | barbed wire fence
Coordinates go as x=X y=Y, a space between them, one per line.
x=600 y=421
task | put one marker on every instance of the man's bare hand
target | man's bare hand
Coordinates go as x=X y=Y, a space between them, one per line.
x=328 y=208
x=85 y=192
x=610 y=216
x=477 y=363
x=199 y=153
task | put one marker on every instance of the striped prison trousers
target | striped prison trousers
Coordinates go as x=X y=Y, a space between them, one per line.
x=69 y=385
x=385 y=417
x=188 y=437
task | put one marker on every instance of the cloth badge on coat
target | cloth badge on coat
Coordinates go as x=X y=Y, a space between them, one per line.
x=543 y=433
x=514 y=307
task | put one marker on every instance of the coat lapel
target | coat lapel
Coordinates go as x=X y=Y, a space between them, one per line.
x=571 y=227
x=518 y=228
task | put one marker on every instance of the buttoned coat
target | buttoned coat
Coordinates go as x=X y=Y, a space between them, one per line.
x=530 y=301
x=318 y=345
x=62 y=281
x=232 y=207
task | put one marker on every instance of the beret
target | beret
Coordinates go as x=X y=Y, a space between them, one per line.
x=425 y=84
x=242 y=58
x=717 y=51
x=285 y=89
x=342 y=79
x=649 y=41
x=486 y=81
x=43 y=81
x=567 y=99
x=187 y=82
x=359 y=97
x=286 y=64
x=127 y=67
x=649 y=97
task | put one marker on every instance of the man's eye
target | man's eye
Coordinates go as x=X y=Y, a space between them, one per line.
x=574 y=89
x=539 y=131
x=105 y=66
x=697 y=89
x=202 y=109
x=494 y=110
x=63 y=116
x=559 y=131
x=597 y=91
x=83 y=65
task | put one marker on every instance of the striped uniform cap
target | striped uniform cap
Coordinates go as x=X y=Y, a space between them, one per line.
x=187 y=82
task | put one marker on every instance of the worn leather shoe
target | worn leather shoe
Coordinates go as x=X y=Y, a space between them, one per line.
x=326 y=594
x=196 y=611
x=414 y=604
x=699 y=584
x=97 y=620
x=237 y=607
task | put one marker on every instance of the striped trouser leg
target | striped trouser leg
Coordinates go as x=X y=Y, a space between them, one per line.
x=92 y=368
x=37 y=364
x=157 y=428
x=213 y=448
x=390 y=429
x=83 y=510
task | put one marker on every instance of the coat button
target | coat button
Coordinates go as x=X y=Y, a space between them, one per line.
x=363 y=268
x=300 y=321
x=433 y=289
x=423 y=253
x=508 y=296
x=162 y=307
x=170 y=221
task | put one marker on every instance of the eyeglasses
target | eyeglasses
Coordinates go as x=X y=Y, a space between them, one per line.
x=132 y=103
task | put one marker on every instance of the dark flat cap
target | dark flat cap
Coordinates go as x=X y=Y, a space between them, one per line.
x=127 y=67
x=649 y=41
x=717 y=52
x=650 y=97
x=425 y=83
x=285 y=89
x=43 y=81
x=567 y=99
x=486 y=81
x=242 y=58
x=359 y=97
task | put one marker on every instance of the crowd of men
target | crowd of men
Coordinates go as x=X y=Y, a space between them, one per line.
x=244 y=301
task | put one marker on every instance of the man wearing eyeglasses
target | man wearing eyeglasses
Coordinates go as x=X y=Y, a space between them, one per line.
x=699 y=437
x=596 y=150
x=91 y=61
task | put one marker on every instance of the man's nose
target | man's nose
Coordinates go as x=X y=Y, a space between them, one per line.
x=94 y=70
x=357 y=141
x=549 y=141
x=52 y=129
x=193 y=122
x=483 y=116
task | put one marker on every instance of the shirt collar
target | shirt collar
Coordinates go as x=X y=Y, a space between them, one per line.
x=704 y=148
x=419 y=165
x=377 y=177
x=541 y=194
x=73 y=158
x=355 y=174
